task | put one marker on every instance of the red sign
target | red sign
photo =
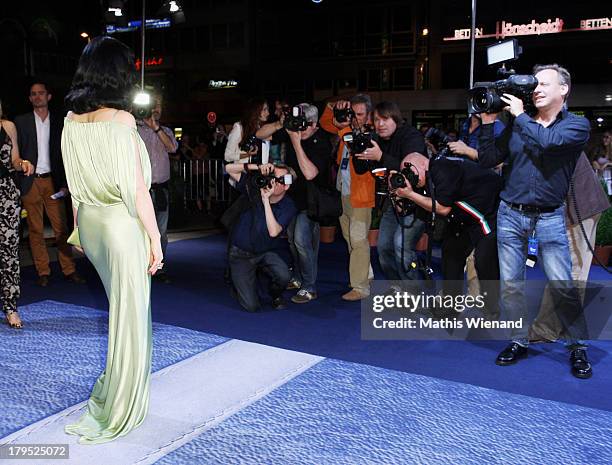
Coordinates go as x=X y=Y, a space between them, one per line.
x=153 y=61
x=211 y=117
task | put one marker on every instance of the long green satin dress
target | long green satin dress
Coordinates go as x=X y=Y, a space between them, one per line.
x=101 y=161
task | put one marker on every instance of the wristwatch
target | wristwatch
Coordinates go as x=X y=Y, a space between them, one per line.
x=157 y=130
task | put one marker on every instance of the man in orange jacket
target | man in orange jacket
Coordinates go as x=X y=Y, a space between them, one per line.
x=357 y=196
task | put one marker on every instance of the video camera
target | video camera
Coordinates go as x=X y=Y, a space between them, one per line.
x=295 y=120
x=260 y=181
x=249 y=144
x=484 y=97
x=343 y=115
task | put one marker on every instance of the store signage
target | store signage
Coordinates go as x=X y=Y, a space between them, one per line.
x=134 y=25
x=151 y=62
x=212 y=84
x=596 y=24
x=505 y=29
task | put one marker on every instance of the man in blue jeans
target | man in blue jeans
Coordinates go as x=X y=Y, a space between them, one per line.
x=540 y=154
x=255 y=238
x=398 y=235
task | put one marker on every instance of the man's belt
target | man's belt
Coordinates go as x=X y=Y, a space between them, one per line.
x=42 y=175
x=524 y=208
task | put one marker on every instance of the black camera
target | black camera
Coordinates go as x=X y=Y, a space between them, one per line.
x=260 y=181
x=294 y=119
x=358 y=141
x=408 y=172
x=343 y=115
x=142 y=111
x=484 y=97
x=439 y=139
x=386 y=184
x=249 y=144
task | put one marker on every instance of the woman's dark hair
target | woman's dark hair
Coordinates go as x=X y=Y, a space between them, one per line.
x=105 y=77
x=250 y=118
x=390 y=110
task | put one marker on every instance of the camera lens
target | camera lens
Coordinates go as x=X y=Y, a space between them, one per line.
x=397 y=181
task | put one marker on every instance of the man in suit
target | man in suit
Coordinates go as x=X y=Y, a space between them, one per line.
x=39 y=135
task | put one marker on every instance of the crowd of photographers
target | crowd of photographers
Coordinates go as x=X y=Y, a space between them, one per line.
x=495 y=195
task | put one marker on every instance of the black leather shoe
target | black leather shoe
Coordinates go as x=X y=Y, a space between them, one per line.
x=43 y=281
x=581 y=368
x=75 y=278
x=279 y=303
x=511 y=354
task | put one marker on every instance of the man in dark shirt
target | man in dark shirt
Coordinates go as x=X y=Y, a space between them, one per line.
x=398 y=236
x=308 y=153
x=540 y=154
x=256 y=235
x=469 y=194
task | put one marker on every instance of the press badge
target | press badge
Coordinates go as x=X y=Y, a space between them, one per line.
x=532 y=252
x=345 y=162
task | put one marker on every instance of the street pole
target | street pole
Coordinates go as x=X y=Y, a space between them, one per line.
x=142 y=44
x=472 y=43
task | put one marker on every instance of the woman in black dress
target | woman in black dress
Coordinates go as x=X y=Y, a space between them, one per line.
x=9 y=220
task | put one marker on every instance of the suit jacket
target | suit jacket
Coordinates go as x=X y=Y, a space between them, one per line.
x=28 y=149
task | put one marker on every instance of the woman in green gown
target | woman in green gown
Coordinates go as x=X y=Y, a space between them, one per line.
x=108 y=172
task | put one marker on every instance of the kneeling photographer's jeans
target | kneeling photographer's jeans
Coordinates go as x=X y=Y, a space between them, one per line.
x=391 y=237
x=304 y=242
x=514 y=228
x=244 y=267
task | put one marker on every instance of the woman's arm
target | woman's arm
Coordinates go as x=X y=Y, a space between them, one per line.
x=18 y=163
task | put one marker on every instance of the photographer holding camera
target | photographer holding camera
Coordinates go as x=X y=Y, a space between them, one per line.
x=308 y=153
x=540 y=154
x=160 y=143
x=467 y=195
x=398 y=235
x=242 y=144
x=357 y=191
x=255 y=236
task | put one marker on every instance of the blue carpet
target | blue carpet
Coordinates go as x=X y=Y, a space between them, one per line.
x=198 y=299
x=344 y=413
x=54 y=362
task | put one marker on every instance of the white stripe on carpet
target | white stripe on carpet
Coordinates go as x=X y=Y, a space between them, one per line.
x=187 y=398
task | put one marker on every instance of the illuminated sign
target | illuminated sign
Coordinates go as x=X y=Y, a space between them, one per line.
x=134 y=25
x=505 y=29
x=212 y=84
x=596 y=24
x=153 y=61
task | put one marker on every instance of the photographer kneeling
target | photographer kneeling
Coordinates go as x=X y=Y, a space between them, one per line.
x=256 y=235
x=398 y=235
x=467 y=195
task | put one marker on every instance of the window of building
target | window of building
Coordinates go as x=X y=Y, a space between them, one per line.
x=403 y=78
x=219 y=36
x=187 y=42
x=202 y=38
x=236 y=35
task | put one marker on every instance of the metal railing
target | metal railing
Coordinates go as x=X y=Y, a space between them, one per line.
x=199 y=180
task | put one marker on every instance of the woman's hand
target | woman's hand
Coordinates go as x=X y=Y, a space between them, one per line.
x=155 y=261
x=26 y=167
